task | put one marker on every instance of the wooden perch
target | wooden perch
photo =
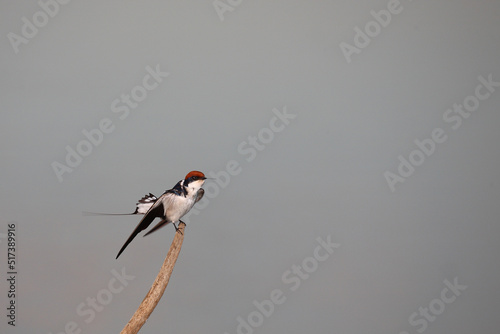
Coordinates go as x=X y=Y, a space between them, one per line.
x=160 y=284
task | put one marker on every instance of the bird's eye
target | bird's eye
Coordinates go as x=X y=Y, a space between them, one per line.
x=195 y=178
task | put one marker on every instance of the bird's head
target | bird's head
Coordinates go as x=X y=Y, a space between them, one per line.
x=194 y=180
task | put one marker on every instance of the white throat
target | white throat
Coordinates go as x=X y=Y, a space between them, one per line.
x=193 y=187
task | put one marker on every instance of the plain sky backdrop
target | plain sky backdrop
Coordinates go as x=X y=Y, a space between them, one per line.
x=374 y=150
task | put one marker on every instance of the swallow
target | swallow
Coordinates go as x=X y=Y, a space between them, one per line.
x=170 y=207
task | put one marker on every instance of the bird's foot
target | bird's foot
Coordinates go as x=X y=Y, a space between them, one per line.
x=177 y=229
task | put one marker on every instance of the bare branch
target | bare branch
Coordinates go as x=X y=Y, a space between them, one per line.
x=160 y=284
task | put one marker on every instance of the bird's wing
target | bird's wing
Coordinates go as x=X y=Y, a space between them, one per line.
x=158 y=226
x=156 y=210
x=141 y=207
x=199 y=195
x=168 y=198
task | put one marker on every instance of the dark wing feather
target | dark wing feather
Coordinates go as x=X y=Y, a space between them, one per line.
x=158 y=226
x=155 y=211
x=168 y=198
x=199 y=195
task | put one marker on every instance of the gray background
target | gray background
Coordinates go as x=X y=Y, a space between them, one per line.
x=323 y=175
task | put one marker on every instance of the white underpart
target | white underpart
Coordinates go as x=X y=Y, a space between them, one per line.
x=177 y=206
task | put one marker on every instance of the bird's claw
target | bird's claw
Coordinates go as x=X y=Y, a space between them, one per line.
x=177 y=229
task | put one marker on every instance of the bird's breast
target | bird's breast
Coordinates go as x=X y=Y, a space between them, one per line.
x=177 y=206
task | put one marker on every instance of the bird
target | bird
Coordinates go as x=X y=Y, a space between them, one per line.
x=170 y=207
